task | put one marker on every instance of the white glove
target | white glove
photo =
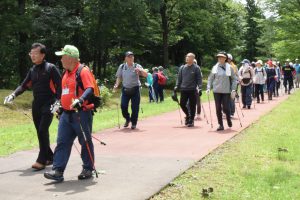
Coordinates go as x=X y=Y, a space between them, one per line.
x=147 y=84
x=233 y=94
x=54 y=107
x=76 y=103
x=208 y=91
x=9 y=99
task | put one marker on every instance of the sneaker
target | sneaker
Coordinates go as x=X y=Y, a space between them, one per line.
x=244 y=106
x=85 y=174
x=190 y=123
x=133 y=126
x=126 y=123
x=54 y=175
x=186 y=121
x=258 y=101
x=220 y=128
x=248 y=107
x=229 y=123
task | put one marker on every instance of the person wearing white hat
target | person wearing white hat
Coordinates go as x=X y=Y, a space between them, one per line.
x=259 y=80
x=222 y=81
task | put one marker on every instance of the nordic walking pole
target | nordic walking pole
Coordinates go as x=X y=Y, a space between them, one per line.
x=101 y=142
x=204 y=113
x=179 y=112
x=22 y=111
x=140 y=90
x=87 y=145
x=118 y=110
x=211 y=124
x=238 y=117
x=241 y=108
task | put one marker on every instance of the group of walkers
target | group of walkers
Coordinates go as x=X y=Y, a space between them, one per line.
x=69 y=96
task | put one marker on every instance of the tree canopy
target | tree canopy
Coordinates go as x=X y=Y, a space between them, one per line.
x=159 y=32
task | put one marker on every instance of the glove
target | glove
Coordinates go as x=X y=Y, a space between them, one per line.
x=77 y=103
x=174 y=96
x=200 y=93
x=9 y=98
x=147 y=84
x=175 y=89
x=233 y=94
x=207 y=91
x=54 y=107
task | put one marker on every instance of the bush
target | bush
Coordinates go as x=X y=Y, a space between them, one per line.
x=105 y=94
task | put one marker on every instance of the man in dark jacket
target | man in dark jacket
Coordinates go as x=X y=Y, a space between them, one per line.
x=189 y=78
x=45 y=81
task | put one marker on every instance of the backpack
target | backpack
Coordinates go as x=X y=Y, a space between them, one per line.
x=95 y=97
x=162 y=79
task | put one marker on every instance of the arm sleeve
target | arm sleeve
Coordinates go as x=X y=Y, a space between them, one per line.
x=119 y=72
x=87 y=93
x=199 y=78
x=24 y=85
x=179 y=78
x=56 y=78
x=233 y=80
x=87 y=81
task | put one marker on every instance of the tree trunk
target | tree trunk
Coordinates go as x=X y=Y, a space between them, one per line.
x=165 y=32
x=22 y=54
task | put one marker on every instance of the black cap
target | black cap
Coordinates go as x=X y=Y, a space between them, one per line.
x=129 y=53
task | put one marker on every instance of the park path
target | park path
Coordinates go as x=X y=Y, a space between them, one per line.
x=134 y=165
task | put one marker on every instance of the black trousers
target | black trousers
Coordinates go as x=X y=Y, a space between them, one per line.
x=223 y=102
x=289 y=80
x=198 y=103
x=42 y=118
x=259 y=91
x=190 y=108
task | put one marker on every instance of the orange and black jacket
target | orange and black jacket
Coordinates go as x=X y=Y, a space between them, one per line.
x=45 y=81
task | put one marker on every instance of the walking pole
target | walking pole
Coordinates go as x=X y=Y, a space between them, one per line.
x=87 y=145
x=211 y=124
x=240 y=108
x=179 y=112
x=174 y=98
x=140 y=90
x=238 y=116
x=118 y=110
x=204 y=113
x=101 y=142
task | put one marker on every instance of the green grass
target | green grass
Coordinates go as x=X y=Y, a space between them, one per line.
x=249 y=166
x=17 y=131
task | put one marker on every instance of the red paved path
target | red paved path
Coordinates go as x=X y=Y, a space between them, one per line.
x=136 y=163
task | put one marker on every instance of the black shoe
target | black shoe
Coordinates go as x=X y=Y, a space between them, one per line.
x=229 y=123
x=289 y=92
x=248 y=107
x=126 y=123
x=85 y=174
x=54 y=175
x=220 y=128
x=133 y=126
x=244 y=106
x=190 y=123
x=258 y=101
x=186 y=121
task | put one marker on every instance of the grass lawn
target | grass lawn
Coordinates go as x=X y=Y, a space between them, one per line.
x=261 y=163
x=17 y=130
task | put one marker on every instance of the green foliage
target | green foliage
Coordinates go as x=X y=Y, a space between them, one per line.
x=105 y=95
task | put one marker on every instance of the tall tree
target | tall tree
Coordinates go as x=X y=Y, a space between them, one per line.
x=253 y=30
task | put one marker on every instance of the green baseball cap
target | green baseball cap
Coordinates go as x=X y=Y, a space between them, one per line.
x=68 y=50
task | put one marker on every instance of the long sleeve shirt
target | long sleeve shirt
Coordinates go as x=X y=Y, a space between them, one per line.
x=189 y=78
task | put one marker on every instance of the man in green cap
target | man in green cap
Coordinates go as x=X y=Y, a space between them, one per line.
x=76 y=119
